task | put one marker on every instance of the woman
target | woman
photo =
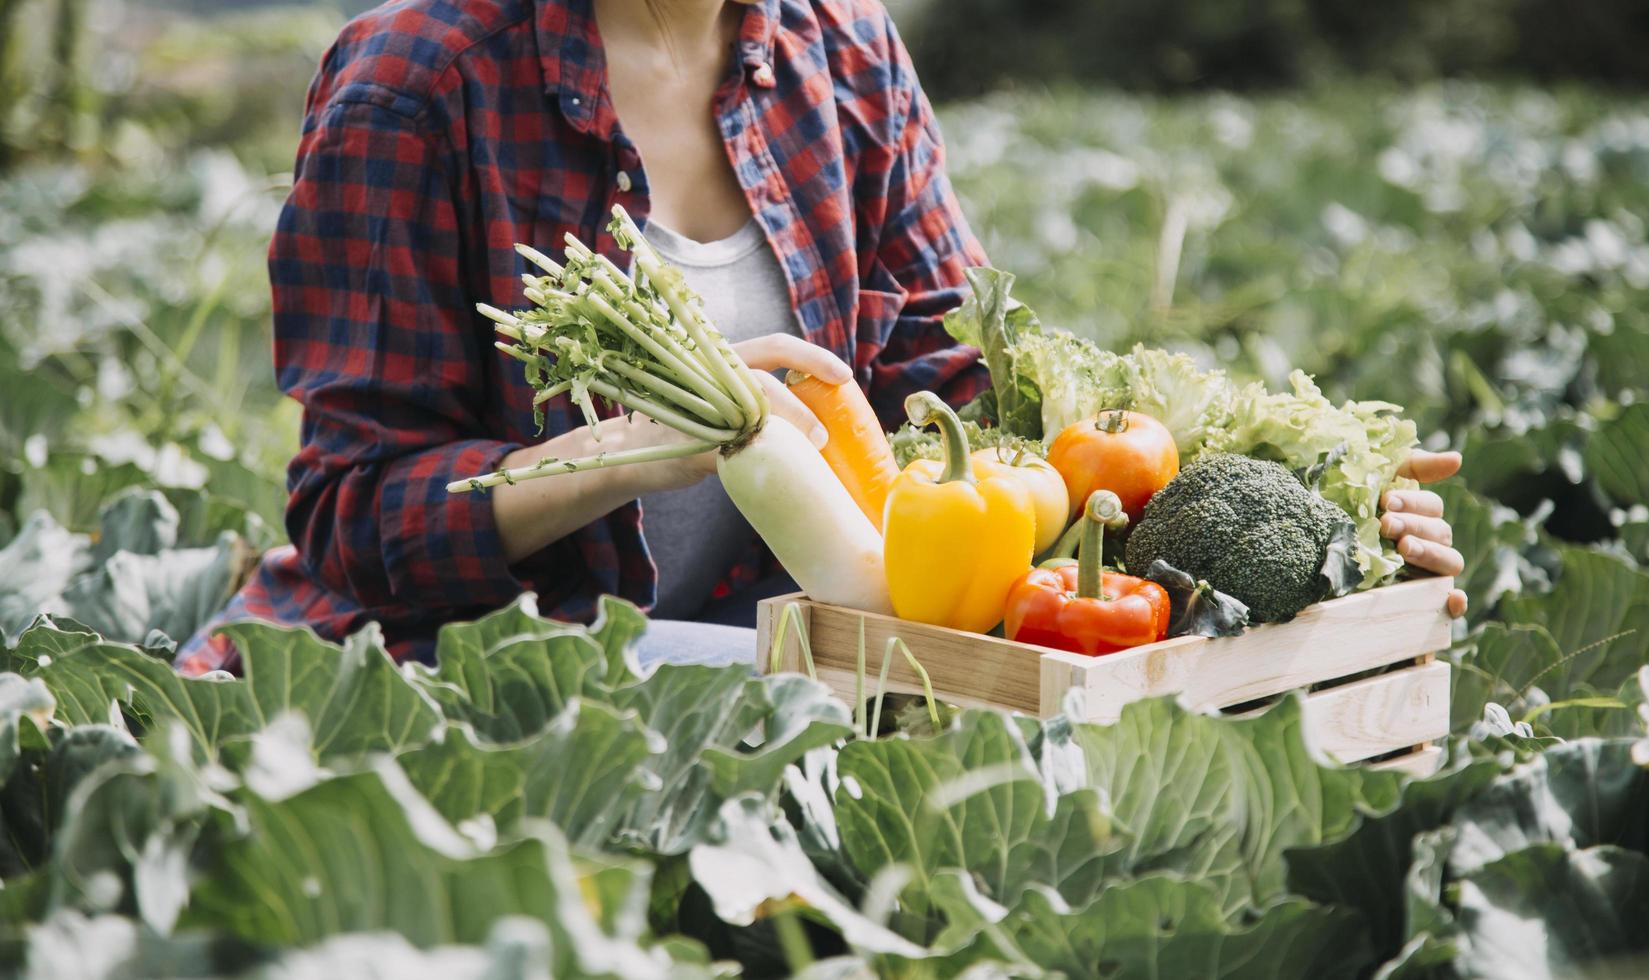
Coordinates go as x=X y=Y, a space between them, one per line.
x=793 y=169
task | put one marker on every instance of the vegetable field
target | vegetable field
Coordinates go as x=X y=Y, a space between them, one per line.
x=536 y=805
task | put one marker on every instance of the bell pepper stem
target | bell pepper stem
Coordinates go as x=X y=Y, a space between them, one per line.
x=1102 y=513
x=926 y=408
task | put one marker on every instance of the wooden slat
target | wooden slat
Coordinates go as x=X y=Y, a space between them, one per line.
x=1333 y=639
x=1380 y=714
x=966 y=668
x=1422 y=762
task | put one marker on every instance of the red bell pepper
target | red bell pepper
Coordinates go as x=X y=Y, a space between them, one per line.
x=1075 y=606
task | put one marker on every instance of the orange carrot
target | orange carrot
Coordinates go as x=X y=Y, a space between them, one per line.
x=858 y=450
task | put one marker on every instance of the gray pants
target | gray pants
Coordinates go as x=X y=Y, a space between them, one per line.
x=678 y=641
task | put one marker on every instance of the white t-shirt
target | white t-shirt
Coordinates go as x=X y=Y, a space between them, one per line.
x=695 y=534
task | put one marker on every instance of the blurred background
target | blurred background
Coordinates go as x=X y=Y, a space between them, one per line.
x=1439 y=203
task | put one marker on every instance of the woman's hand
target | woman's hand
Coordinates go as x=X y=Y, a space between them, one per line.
x=764 y=355
x=785 y=352
x=1414 y=519
x=539 y=512
x=782 y=352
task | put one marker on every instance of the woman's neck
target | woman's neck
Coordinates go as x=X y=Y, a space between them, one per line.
x=684 y=27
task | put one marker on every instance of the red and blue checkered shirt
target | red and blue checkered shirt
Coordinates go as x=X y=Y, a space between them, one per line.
x=438 y=134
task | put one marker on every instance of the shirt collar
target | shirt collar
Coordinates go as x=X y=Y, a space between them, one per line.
x=575 y=67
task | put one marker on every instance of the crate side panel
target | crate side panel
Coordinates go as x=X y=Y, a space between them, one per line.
x=1380 y=714
x=841 y=683
x=1333 y=639
x=965 y=668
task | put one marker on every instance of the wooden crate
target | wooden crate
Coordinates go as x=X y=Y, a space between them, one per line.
x=1376 y=692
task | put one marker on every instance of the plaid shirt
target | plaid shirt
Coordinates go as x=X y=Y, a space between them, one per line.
x=438 y=134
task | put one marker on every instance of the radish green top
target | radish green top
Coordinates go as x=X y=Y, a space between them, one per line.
x=639 y=341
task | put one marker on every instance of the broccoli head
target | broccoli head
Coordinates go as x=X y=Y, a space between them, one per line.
x=1249 y=527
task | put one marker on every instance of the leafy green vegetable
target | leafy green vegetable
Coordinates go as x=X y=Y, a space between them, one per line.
x=993 y=322
x=1252 y=531
x=1353 y=450
x=132 y=580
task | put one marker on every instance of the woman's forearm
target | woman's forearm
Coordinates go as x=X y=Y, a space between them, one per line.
x=536 y=513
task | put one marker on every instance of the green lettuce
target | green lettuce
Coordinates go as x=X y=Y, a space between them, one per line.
x=1043 y=380
x=1353 y=450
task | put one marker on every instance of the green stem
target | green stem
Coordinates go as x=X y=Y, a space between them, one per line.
x=663 y=415
x=714 y=350
x=746 y=375
x=791 y=615
x=925 y=408
x=577 y=251
x=859 y=687
x=667 y=346
x=541 y=260
x=798 y=952
x=1065 y=547
x=508 y=323
x=927 y=684
x=881 y=690
x=545 y=394
x=1102 y=512
x=523 y=356
x=656 y=343
x=679 y=396
x=711 y=348
x=550 y=465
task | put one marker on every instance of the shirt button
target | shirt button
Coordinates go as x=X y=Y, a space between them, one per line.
x=623 y=182
x=764 y=74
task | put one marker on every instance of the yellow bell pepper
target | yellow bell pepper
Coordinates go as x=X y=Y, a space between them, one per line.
x=1052 y=501
x=957 y=534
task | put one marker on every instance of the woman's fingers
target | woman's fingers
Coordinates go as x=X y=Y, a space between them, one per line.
x=1434 y=529
x=1414 y=519
x=782 y=351
x=790 y=408
x=778 y=351
x=1430 y=467
x=1437 y=558
x=1422 y=503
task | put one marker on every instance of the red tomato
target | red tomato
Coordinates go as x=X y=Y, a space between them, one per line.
x=1128 y=453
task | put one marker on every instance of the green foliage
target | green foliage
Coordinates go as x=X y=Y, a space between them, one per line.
x=135 y=578
x=134 y=297
x=328 y=803
x=1340 y=233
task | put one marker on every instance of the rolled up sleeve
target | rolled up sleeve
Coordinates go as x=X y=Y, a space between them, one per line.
x=377 y=338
